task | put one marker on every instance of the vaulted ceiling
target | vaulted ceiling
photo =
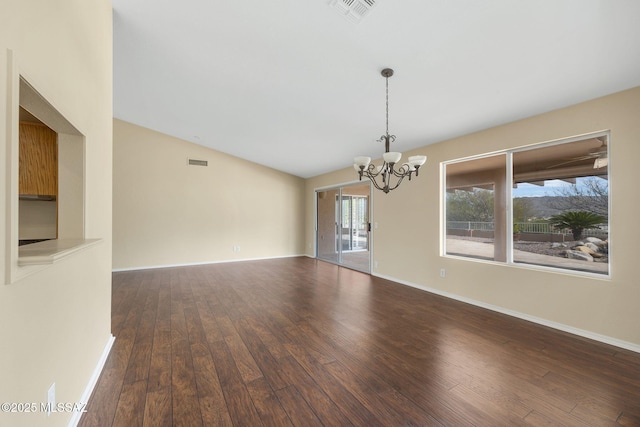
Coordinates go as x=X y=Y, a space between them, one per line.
x=296 y=85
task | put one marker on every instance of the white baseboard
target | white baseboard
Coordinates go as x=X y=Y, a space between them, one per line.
x=559 y=326
x=189 y=264
x=75 y=418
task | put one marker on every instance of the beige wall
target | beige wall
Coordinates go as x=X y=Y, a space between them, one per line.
x=407 y=241
x=168 y=213
x=55 y=323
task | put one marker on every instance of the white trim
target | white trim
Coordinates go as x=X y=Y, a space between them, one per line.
x=12 y=166
x=75 y=418
x=372 y=227
x=315 y=225
x=189 y=264
x=559 y=326
x=509 y=223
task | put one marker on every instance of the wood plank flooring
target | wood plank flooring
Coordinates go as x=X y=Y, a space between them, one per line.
x=301 y=342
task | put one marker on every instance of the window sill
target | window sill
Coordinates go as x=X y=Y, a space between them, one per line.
x=51 y=251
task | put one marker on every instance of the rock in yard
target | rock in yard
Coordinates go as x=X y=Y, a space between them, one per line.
x=589 y=250
x=592 y=246
x=579 y=255
x=585 y=249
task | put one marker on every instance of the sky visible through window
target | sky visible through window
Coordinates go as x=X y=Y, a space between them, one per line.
x=550 y=188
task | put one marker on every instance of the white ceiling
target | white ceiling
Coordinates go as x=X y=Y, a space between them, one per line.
x=294 y=85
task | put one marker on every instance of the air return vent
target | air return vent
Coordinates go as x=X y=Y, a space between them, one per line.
x=194 y=162
x=353 y=10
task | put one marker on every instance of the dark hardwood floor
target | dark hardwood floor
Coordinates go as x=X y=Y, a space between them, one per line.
x=300 y=342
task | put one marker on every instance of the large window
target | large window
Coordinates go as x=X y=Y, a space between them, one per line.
x=545 y=205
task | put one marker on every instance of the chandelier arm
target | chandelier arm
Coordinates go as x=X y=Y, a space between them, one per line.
x=397 y=183
x=386 y=173
x=371 y=170
x=375 y=184
x=386 y=185
x=402 y=171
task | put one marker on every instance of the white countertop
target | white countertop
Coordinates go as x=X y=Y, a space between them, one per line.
x=50 y=251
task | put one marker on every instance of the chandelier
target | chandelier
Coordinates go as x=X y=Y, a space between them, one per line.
x=382 y=176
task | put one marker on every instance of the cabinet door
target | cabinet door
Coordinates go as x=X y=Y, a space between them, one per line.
x=38 y=160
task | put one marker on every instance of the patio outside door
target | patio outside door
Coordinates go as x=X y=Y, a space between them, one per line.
x=343 y=230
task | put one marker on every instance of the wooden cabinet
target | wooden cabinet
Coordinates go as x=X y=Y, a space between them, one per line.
x=38 y=160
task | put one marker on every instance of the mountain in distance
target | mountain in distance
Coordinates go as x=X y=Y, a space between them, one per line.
x=541 y=207
x=547 y=206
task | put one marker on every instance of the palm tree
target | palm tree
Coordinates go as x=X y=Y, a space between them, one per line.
x=577 y=222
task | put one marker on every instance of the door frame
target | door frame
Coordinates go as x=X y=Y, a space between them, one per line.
x=339 y=188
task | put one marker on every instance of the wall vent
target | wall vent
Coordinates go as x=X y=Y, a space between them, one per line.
x=195 y=162
x=353 y=10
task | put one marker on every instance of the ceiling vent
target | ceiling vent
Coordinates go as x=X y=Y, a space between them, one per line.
x=194 y=162
x=353 y=10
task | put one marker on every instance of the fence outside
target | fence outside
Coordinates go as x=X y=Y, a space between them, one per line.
x=478 y=227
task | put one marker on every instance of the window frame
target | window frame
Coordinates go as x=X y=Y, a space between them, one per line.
x=509 y=165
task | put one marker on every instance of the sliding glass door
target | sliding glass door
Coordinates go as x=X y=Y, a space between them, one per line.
x=343 y=226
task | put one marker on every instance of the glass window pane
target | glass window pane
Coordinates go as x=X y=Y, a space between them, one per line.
x=475 y=208
x=561 y=206
x=327 y=234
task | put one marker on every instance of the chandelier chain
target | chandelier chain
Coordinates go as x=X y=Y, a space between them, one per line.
x=387 y=79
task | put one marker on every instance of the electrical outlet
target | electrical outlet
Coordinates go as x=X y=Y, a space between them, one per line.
x=443 y=272
x=51 y=398
x=375 y=264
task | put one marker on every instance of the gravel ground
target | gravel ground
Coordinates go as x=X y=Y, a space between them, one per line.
x=543 y=248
